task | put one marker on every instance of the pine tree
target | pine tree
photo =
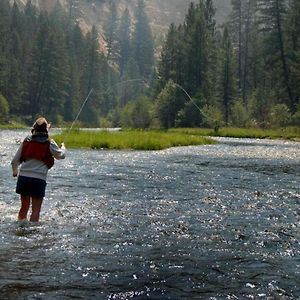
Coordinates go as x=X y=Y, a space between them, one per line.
x=5 y=15
x=227 y=79
x=244 y=33
x=198 y=48
x=50 y=70
x=237 y=28
x=143 y=45
x=124 y=40
x=91 y=75
x=132 y=85
x=165 y=106
x=273 y=18
x=76 y=45
x=111 y=29
x=17 y=20
x=293 y=48
x=15 y=85
x=169 y=67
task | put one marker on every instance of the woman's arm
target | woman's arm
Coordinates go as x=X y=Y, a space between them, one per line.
x=58 y=153
x=16 y=161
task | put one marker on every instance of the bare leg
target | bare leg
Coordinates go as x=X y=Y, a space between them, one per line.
x=36 y=208
x=25 y=204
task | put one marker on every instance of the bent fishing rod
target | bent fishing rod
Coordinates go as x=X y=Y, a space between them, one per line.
x=86 y=99
x=79 y=112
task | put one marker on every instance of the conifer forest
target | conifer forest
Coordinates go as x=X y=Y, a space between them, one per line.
x=244 y=73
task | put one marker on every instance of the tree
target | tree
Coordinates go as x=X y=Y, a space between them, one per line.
x=227 y=79
x=94 y=63
x=165 y=108
x=49 y=70
x=4 y=44
x=293 y=47
x=274 y=17
x=189 y=58
x=143 y=46
x=237 y=25
x=137 y=113
x=111 y=33
x=132 y=83
x=4 y=108
x=170 y=65
x=199 y=49
x=124 y=40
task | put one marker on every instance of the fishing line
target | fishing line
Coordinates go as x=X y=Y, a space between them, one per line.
x=194 y=103
x=86 y=99
x=79 y=112
x=126 y=81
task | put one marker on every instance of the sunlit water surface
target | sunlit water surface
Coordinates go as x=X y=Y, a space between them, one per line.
x=209 y=222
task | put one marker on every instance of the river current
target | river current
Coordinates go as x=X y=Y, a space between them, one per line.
x=201 y=222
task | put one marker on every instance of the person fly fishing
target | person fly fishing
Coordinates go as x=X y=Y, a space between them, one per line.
x=36 y=156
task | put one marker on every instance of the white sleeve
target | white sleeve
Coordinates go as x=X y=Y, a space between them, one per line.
x=58 y=153
x=16 y=159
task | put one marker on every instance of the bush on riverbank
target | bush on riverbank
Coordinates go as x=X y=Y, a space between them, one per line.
x=133 y=139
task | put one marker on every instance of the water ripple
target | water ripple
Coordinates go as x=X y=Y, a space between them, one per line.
x=209 y=222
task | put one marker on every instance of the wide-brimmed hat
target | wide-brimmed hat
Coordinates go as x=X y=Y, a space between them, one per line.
x=40 y=125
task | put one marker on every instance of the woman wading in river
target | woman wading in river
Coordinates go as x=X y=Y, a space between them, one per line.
x=36 y=156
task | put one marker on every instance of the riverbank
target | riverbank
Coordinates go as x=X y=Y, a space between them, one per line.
x=12 y=126
x=159 y=139
x=288 y=133
x=131 y=139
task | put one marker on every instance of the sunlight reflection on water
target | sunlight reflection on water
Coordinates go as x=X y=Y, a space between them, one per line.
x=209 y=222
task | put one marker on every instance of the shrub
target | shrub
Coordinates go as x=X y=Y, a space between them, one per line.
x=137 y=113
x=280 y=115
x=4 y=109
x=239 y=114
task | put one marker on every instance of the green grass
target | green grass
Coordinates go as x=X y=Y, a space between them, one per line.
x=159 y=139
x=132 y=139
x=12 y=126
x=289 y=133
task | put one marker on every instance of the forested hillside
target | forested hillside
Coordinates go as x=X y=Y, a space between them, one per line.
x=244 y=73
x=161 y=13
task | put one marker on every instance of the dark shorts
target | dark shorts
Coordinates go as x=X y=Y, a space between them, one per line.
x=29 y=186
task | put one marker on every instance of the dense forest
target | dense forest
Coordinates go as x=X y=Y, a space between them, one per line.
x=244 y=73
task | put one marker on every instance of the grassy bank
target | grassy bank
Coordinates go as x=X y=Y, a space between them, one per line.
x=289 y=133
x=158 y=140
x=12 y=126
x=133 y=139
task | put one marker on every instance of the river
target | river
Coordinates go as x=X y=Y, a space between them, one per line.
x=201 y=222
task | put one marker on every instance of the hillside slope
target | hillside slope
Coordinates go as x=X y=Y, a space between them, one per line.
x=161 y=12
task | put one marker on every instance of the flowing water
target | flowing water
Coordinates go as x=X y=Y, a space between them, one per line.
x=207 y=222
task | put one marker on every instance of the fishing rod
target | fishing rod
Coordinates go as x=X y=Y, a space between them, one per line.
x=86 y=99
x=79 y=112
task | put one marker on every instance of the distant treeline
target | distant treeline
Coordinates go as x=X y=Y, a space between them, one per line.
x=245 y=73
x=48 y=66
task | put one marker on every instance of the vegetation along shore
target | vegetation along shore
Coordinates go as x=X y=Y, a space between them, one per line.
x=159 y=139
